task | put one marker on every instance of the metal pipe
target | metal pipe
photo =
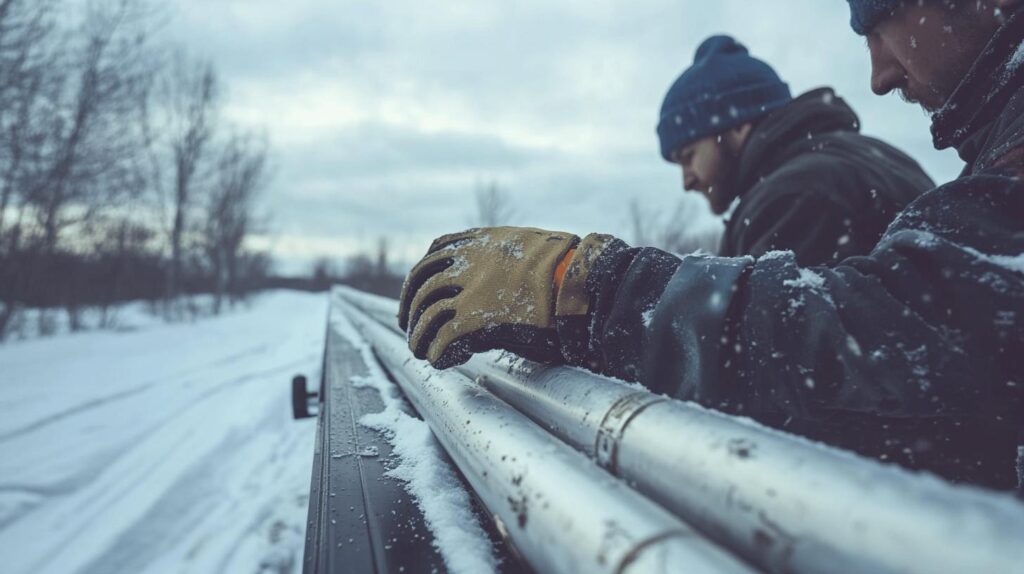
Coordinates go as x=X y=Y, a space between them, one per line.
x=562 y=512
x=783 y=502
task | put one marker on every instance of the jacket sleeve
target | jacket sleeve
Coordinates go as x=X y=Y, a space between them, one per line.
x=905 y=353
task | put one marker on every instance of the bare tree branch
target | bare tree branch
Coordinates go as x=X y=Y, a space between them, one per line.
x=192 y=95
x=493 y=206
x=241 y=174
x=684 y=230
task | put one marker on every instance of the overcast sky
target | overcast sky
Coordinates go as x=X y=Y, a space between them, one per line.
x=385 y=114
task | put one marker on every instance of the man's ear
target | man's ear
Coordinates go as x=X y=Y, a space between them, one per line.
x=739 y=134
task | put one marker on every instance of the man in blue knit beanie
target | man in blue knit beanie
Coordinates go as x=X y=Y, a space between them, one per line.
x=909 y=353
x=797 y=171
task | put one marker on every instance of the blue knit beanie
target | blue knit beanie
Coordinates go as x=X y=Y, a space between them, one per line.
x=866 y=14
x=725 y=87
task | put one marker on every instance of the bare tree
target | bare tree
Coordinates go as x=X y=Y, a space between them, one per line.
x=105 y=143
x=684 y=230
x=493 y=206
x=87 y=161
x=65 y=146
x=323 y=273
x=88 y=164
x=186 y=106
x=193 y=107
x=240 y=175
x=639 y=222
x=382 y=257
x=27 y=41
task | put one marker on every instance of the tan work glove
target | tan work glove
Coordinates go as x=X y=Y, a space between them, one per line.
x=494 y=288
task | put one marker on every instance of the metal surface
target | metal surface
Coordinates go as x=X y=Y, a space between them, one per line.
x=784 y=503
x=359 y=520
x=563 y=513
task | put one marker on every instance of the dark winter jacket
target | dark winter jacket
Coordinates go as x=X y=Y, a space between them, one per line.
x=810 y=183
x=913 y=353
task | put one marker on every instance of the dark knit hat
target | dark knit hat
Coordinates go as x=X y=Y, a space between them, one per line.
x=725 y=87
x=866 y=14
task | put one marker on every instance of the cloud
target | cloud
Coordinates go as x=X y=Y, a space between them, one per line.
x=384 y=116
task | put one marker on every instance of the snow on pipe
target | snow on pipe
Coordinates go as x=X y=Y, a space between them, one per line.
x=562 y=512
x=783 y=502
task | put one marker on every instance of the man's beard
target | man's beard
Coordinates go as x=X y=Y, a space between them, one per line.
x=929 y=108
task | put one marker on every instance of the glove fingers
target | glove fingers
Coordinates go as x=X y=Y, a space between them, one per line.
x=437 y=286
x=425 y=333
x=455 y=352
x=420 y=274
x=427 y=296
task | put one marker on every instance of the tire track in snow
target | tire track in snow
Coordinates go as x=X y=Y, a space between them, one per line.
x=59 y=416
x=89 y=478
x=165 y=527
x=15 y=503
x=89 y=504
x=168 y=417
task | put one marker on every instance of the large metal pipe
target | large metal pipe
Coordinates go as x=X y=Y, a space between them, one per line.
x=785 y=503
x=563 y=513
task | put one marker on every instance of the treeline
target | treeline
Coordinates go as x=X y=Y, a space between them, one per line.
x=363 y=271
x=119 y=179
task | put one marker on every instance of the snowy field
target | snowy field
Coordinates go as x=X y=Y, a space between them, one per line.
x=160 y=448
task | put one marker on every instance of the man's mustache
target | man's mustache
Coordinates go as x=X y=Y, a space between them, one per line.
x=912 y=99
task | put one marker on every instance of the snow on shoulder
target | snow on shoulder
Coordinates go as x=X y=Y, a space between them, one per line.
x=1010 y=262
x=808 y=280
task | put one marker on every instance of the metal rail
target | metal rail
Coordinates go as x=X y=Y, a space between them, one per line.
x=358 y=521
x=562 y=512
x=784 y=503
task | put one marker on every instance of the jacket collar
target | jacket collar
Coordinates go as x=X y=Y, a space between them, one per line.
x=790 y=131
x=964 y=122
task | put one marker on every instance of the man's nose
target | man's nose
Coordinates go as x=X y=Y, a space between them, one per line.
x=689 y=181
x=886 y=72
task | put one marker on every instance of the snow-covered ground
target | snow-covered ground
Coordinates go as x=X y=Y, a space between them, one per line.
x=167 y=448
